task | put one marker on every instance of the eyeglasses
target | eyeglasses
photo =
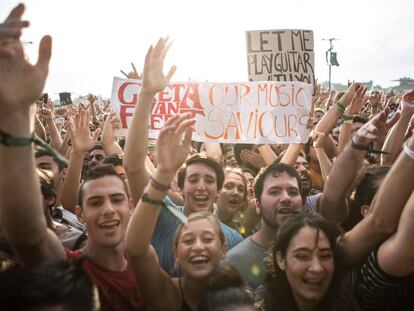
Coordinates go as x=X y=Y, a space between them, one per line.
x=98 y=157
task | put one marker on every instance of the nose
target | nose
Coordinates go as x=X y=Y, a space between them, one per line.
x=201 y=184
x=108 y=209
x=198 y=244
x=315 y=265
x=285 y=197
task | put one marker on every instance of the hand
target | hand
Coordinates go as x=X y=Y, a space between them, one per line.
x=81 y=137
x=11 y=29
x=46 y=114
x=318 y=140
x=21 y=83
x=111 y=123
x=357 y=102
x=253 y=158
x=134 y=75
x=375 y=128
x=154 y=79
x=91 y=98
x=408 y=103
x=374 y=98
x=61 y=112
x=174 y=142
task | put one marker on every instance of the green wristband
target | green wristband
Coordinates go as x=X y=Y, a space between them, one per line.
x=8 y=140
x=340 y=107
x=147 y=199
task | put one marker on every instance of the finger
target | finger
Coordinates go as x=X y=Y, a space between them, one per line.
x=96 y=134
x=157 y=48
x=181 y=118
x=45 y=53
x=171 y=120
x=17 y=12
x=187 y=137
x=184 y=125
x=134 y=69
x=124 y=74
x=394 y=119
x=171 y=72
x=148 y=60
x=165 y=51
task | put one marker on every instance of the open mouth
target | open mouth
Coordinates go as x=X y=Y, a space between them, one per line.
x=199 y=260
x=108 y=225
x=200 y=198
x=286 y=211
x=234 y=201
x=313 y=282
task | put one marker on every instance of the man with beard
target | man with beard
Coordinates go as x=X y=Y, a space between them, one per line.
x=278 y=195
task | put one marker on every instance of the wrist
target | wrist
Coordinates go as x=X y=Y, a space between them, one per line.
x=163 y=177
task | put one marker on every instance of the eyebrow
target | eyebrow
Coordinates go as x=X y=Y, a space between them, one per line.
x=307 y=249
x=101 y=196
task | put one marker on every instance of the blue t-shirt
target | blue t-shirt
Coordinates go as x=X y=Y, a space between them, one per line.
x=163 y=236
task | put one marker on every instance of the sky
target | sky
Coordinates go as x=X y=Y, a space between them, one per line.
x=94 y=39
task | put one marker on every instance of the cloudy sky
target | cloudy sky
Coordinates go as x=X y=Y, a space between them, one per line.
x=94 y=39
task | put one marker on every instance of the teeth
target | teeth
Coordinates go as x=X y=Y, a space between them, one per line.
x=109 y=224
x=199 y=260
x=313 y=281
x=201 y=198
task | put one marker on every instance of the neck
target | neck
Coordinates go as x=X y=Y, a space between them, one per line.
x=193 y=290
x=224 y=216
x=109 y=258
x=187 y=211
x=265 y=235
x=305 y=305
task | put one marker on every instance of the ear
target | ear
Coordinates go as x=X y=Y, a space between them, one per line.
x=62 y=174
x=131 y=207
x=51 y=202
x=224 y=249
x=280 y=261
x=258 y=211
x=364 y=210
x=79 y=213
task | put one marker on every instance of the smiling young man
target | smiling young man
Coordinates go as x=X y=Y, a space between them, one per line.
x=104 y=199
x=277 y=192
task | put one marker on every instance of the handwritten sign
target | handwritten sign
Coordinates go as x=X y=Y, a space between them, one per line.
x=280 y=55
x=251 y=112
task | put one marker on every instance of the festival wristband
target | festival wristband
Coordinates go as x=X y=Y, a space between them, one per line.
x=158 y=185
x=147 y=199
x=368 y=148
x=408 y=151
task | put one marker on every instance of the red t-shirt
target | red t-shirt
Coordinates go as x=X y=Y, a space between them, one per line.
x=118 y=290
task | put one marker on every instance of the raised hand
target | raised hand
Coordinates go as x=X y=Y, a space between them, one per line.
x=21 y=83
x=357 y=102
x=81 y=137
x=91 y=98
x=11 y=29
x=408 y=103
x=132 y=74
x=154 y=79
x=375 y=128
x=253 y=158
x=174 y=142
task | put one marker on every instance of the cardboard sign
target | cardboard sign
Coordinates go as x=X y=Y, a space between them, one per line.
x=251 y=112
x=280 y=55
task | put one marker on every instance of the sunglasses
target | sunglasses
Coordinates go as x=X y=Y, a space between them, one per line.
x=98 y=157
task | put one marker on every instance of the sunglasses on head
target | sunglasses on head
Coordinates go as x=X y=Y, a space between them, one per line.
x=98 y=157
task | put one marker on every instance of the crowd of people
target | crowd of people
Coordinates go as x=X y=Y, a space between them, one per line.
x=93 y=221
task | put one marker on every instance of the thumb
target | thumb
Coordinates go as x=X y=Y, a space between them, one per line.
x=45 y=53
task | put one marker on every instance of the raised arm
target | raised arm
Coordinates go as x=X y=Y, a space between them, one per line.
x=324 y=161
x=347 y=165
x=108 y=138
x=395 y=139
x=22 y=216
x=385 y=210
x=172 y=150
x=136 y=143
x=82 y=141
x=329 y=119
